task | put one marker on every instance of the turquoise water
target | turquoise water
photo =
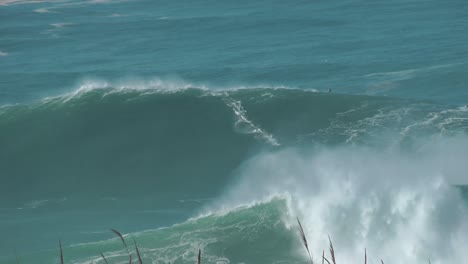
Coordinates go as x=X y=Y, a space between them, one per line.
x=209 y=125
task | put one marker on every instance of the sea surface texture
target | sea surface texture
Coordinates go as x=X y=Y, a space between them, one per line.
x=214 y=125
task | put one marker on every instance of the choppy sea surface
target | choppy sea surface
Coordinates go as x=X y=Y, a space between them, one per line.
x=213 y=125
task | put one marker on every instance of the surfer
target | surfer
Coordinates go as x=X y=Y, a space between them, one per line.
x=329 y=90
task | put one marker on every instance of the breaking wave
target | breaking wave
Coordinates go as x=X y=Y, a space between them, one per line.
x=378 y=173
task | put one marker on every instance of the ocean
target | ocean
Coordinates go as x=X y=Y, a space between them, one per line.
x=215 y=125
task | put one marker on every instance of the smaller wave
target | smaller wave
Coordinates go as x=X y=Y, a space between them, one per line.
x=409 y=73
x=382 y=82
x=212 y=234
x=3 y=54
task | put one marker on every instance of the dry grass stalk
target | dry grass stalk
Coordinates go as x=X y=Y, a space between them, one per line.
x=323 y=256
x=61 y=252
x=365 y=256
x=332 y=251
x=104 y=258
x=121 y=238
x=199 y=256
x=304 y=240
x=382 y=261
x=138 y=252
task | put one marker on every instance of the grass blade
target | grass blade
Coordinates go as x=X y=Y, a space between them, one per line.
x=365 y=256
x=61 y=252
x=121 y=238
x=304 y=240
x=199 y=256
x=104 y=258
x=332 y=251
x=138 y=252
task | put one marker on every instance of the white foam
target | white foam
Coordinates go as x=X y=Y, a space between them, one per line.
x=62 y=25
x=158 y=85
x=43 y=10
x=15 y=2
x=3 y=54
x=399 y=206
x=36 y=203
x=151 y=85
x=117 y=15
x=85 y=87
x=447 y=121
x=409 y=73
x=246 y=126
x=39 y=203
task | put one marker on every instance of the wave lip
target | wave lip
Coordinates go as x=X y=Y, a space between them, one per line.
x=151 y=86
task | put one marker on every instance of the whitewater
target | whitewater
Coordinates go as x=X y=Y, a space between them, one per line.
x=215 y=125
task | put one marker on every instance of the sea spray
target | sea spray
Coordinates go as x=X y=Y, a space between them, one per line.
x=384 y=200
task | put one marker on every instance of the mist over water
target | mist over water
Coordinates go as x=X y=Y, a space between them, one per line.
x=209 y=125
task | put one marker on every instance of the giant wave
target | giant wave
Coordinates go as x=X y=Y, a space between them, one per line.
x=371 y=172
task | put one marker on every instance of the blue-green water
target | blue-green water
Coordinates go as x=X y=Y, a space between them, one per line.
x=208 y=125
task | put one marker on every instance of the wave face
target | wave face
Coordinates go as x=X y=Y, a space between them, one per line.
x=96 y=138
x=372 y=172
